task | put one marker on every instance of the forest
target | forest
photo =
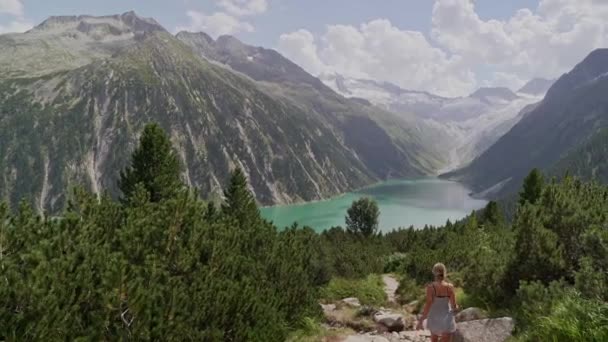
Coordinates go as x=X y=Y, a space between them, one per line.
x=160 y=263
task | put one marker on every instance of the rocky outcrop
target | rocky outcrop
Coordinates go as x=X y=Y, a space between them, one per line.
x=392 y=322
x=352 y=302
x=485 y=330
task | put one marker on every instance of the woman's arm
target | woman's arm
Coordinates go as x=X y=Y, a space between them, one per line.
x=427 y=307
x=452 y=296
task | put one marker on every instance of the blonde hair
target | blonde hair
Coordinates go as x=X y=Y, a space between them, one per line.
x=440 y=271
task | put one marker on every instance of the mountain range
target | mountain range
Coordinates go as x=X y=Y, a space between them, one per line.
x=564 y=133
x=76 y=91
x=466 y=125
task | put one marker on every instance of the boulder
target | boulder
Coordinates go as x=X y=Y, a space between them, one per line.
x=328 y=308
x=485 y=330
x=471 y=314
x=415 y=336
x=352 y=302
x=365 y=338
x=391 y=321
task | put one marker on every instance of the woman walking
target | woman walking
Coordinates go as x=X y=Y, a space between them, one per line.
x=440 y=307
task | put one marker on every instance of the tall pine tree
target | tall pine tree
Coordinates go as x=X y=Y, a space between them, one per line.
x=155 y=165
x=239 y=201
x=533 y=188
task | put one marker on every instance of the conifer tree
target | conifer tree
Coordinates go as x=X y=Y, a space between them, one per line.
x=155 y=165
x=492 y=214
x=532 y=188
x=239 y=201
x=538 y=255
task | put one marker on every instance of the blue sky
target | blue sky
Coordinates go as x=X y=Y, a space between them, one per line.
x=449 y=47
x=282 y=15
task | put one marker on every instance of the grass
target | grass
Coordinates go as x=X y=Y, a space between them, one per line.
x=572 y=319
x=369 y=291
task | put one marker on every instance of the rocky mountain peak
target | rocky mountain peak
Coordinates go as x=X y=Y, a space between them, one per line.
x=128 y=22
x=195 y=36
x=536 y=86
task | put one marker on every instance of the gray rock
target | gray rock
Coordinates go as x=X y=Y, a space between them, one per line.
x=328 y=308
x=471 y=314
x=366 y=338
x=352 y=301
x=485 y=330
x=391 y=321
x=415 y=336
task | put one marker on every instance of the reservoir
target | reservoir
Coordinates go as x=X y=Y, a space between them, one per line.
x=403 y=203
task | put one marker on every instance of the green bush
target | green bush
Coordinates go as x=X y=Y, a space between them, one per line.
x=369 y=291
x=571 y=319
x=409 y=290
x=534 y=299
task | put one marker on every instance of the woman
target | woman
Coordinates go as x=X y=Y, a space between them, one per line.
x=440 y=307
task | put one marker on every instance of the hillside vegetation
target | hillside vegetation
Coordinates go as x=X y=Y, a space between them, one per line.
x=161 y=264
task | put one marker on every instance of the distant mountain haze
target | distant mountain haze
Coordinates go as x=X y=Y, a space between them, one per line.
x=466 y=125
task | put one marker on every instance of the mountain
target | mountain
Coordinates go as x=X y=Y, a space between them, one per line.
x=587 y=161
x=574 y=109
x=493 y=94
x=76 y=91
x=69 y=42
x=393 y=146
x=466 y=126
x=536 y=86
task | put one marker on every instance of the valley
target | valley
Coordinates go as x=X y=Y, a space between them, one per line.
x=172 y=182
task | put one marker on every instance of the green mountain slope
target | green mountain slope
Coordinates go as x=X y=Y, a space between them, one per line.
x=393 y=146
x=575 y=108
x=588 y=161
x=76 y=123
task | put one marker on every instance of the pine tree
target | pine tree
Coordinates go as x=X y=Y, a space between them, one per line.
x=532 y=188
x=155 y=165
x=492 y=214
x=538 y=255
x=239 y=201
x=362 y=217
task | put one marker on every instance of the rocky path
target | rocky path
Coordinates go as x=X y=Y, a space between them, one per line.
x=390 y=287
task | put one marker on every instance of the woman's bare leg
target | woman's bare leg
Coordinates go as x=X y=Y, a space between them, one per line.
x=446 y=338
x=434 y=338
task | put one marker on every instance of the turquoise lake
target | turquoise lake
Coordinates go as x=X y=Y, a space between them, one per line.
x=402 y=203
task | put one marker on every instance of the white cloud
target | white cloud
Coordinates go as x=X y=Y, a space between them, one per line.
x=464 y=51
x=16 y=26
x=244 y=7
x=543 y=43
x=216 y=24
x=301 y=48
x=12 y=7
x=379 y=50
x=228 y=21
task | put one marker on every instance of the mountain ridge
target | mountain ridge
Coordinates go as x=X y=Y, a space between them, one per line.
x=574 y=108
x=74 y=120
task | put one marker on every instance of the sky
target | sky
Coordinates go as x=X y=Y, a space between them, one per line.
x=447 y=47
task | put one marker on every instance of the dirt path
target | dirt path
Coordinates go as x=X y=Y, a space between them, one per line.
x=390 y=287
